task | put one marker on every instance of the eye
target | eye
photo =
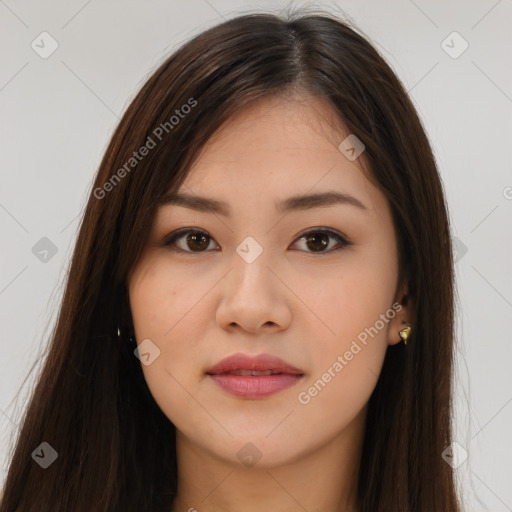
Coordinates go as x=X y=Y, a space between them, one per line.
x=317 y=240
x=198 y=241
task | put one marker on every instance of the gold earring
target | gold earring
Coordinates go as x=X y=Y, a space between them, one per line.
x=404 y=333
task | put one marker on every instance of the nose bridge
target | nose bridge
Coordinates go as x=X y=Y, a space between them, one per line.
x=251 y=288
x=250 y=293
x=250 y=264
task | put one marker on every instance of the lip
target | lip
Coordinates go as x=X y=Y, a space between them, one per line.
x=254 y=386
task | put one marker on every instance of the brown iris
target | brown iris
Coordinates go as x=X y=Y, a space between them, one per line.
x=319 y=241
x=200 y=239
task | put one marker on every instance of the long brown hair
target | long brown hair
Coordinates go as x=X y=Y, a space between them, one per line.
x=91 y=404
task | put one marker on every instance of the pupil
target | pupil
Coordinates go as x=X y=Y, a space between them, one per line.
x=319 y=237
x=195 y=237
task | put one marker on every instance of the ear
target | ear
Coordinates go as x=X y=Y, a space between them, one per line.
x=403 y=315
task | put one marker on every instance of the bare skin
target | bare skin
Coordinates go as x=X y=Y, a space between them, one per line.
x=303 y=304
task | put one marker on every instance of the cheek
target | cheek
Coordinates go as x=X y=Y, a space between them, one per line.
x=355 y=307
x=347 y=363
x=162 y=299
x=167 y=308
x=353 y=298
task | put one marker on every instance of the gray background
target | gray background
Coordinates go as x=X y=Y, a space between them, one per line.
x=58 y=114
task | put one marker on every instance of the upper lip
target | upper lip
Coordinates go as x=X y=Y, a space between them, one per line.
x=262 y=362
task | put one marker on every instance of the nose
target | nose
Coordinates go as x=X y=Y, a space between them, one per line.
x=253 y=297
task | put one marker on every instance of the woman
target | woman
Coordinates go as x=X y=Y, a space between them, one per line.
x=259 y=312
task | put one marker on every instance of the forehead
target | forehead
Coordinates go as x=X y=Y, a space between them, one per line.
x=293 y=124
x=277 y=147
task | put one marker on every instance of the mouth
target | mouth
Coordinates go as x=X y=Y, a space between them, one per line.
x=252 y=377
x=251 y=372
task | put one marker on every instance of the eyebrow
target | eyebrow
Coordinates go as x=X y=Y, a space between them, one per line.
x=294 y=203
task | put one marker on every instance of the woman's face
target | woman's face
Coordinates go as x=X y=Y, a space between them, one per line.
x=264 y=278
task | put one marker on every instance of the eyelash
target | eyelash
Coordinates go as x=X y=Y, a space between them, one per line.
x=169 y=240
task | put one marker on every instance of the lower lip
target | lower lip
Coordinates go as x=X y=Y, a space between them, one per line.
x=255 y=386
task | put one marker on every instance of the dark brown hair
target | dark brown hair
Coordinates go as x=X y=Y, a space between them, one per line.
x=116 y=448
